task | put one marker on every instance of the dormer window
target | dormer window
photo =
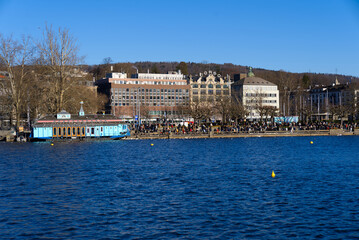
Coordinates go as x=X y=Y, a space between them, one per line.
x=63 y=115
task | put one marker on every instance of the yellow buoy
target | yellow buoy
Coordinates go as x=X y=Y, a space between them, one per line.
x=311 y=142
x=273 y=174
x=151 y=144
x=52 y=144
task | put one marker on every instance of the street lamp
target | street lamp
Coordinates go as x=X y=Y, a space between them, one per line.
x=327 y=104
x=284 y=100
x=138 y=107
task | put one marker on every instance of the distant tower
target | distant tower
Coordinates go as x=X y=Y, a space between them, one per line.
x=81 y=113
x=250 y=73
x=336 y=81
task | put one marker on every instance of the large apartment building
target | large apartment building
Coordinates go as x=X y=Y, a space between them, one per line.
x=146 y=95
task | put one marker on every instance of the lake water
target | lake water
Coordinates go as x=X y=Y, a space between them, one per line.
x=181 y=189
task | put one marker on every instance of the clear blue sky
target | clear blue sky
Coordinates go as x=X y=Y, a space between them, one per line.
x=292 y=35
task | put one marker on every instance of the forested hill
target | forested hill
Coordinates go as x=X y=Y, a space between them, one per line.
x=281 y=78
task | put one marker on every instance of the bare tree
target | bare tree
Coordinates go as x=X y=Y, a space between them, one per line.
x=223 y=107
x=237 y=110
x=341 y=111
x=270 y=111
x=207 y=109
x=59 y=55
x=15 y=57
x=201 y=110
x=307 y=113
x=107 y=61
x=184 y=110
x=145 y=112
x=196 y=111
x=257 y=102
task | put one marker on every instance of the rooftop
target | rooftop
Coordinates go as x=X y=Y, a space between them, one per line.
x=254 y=81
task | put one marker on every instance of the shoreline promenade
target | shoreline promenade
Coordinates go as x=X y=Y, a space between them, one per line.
x=213 y=134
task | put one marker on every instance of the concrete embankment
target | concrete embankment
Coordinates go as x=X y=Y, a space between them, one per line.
x=300 y=133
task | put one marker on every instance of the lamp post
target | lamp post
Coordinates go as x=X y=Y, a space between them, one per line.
x=288 y=102
x=138 y=107
x=327 y=105
x=284 y=100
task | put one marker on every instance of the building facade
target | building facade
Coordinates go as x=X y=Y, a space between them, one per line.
x=209 y=87
x=259 y=97
x=209 y=92
x=146 y=96
x=333 y=102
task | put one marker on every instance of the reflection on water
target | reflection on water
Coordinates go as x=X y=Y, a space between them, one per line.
x=209 y=188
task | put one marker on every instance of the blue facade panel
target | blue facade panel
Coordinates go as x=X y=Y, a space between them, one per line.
x=42 y=132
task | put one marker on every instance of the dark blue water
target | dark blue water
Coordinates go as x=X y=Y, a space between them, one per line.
x=181 y=189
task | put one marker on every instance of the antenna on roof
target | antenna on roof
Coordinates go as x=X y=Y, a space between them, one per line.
x=135 y=68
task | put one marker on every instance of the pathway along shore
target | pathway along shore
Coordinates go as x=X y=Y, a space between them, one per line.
x=298 y=133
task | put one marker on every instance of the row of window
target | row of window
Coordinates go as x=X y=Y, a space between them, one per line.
x=261 y=95
x=148 y=82
x=163 y=113
x=158 y=96
x=211 y=92
x=150 y=104
x=73 y=131
x=209 y=86
x=324 y=95
x=128 y=98
x=148 y=94
x=151 y=100
x=203 y=98
x=258 y=101
x=68 y=131
x=147 y=90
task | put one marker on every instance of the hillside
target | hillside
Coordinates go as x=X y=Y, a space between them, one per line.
x=281 y=78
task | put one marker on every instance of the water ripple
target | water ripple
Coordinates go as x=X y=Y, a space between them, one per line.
x=181 y=189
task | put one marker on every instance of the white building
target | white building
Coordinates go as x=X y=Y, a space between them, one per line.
x=118 y=75
x=259 y=97
x=172 y=75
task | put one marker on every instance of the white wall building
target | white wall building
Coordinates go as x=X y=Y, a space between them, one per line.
x=172 y=75
x=255 y=94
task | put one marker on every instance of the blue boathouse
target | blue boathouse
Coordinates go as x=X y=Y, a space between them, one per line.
x=67 y=126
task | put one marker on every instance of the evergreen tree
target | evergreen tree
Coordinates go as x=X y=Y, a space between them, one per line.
x=183 y=67
x=154 y=69
x=305 y=81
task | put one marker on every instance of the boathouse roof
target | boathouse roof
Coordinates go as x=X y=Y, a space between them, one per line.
x=94 y=119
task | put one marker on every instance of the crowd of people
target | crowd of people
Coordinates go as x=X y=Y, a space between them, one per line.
x=243 y=127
